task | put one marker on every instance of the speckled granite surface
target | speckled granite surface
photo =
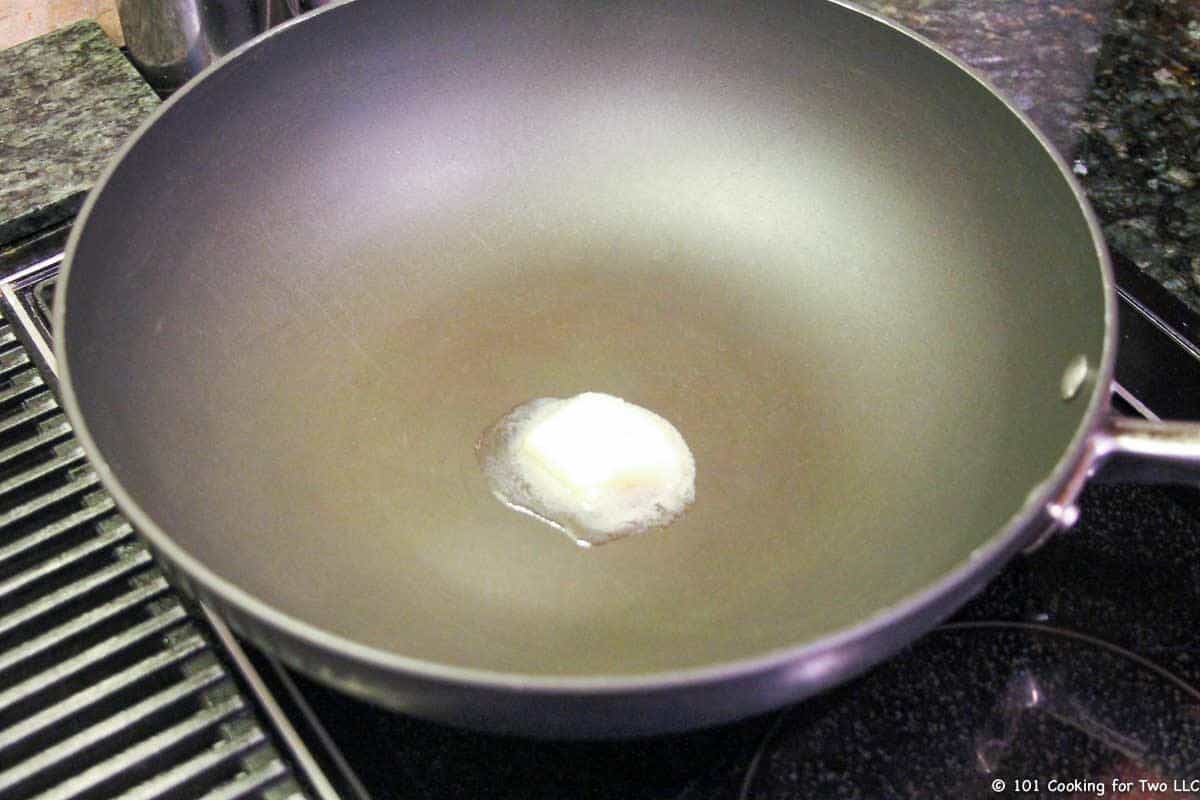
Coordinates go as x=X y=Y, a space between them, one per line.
x=67 y=102
x=1140 y=142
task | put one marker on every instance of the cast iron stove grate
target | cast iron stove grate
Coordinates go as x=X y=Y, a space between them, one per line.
x=110 y=686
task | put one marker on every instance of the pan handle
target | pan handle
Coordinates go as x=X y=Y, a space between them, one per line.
x=1129 y=450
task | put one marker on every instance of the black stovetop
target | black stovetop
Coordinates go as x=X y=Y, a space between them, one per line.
x=1081 y=661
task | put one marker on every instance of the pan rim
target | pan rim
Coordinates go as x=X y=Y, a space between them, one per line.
x=1064 y=475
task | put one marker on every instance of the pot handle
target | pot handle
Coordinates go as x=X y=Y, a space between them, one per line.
x=1129 y=450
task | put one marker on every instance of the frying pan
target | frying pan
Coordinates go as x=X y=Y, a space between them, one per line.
x=861 y=286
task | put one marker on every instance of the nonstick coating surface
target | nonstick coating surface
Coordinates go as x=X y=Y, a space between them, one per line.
x=847 y=273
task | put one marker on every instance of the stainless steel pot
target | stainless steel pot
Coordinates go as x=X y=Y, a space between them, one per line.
x=864 y=289
x=172 y=41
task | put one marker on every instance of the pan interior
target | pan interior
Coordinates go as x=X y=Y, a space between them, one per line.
x=842 y=269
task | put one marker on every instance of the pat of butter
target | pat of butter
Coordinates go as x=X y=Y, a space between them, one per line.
x=595 y=443
x=591 y=466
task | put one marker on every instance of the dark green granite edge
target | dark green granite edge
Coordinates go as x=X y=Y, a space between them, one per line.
x=39 y=218
x=71 y=99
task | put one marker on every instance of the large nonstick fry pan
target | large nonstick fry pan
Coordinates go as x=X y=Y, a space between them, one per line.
x=858 y=283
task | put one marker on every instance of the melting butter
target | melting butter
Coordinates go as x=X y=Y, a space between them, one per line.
x=592 y=466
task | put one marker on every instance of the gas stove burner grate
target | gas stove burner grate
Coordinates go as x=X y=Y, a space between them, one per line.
x=109 y=684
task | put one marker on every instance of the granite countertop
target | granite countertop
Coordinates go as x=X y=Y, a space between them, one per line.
x=68 y=100
x=1140 y=141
